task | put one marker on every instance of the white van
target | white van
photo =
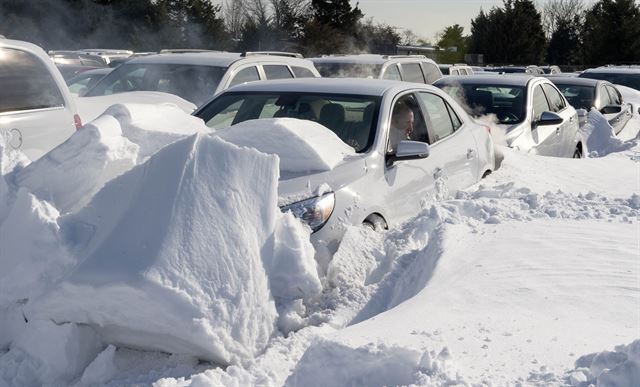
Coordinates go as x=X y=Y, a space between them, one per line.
x=37 y=112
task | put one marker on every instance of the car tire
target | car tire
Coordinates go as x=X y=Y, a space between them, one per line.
x=375 y=223
x=577 y=153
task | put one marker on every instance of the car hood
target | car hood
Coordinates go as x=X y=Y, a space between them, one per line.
x=294 y=187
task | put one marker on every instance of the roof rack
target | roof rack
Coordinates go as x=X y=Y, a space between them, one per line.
x=183 y=50
x=274 y=53
x=403 y=56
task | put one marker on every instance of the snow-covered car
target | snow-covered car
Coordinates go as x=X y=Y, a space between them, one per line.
x=533 y=113
x=618 y=75
x=198 y=76
x=408 y=68
x=585 y=93
x=381 y=182
x=83 y=81
x=37 y=112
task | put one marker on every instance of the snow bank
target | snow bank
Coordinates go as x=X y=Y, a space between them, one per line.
x=115 y=142
x=370 y=365
x=303 y=146
x=599 y=136
x=89 y=108
x=171 y=254
x=608 y=369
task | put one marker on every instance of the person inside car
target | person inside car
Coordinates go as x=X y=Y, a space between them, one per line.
x=401 y=125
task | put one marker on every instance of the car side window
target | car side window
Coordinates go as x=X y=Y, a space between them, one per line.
x=540 y=103
x=457 y=123
x=392 y=73
x=411 y=72
x=277 y=72
x=26 y=83
x=301 y=72
x=431 y=72
x=605 y=99
x=407 y=122
x=438 y=116
x=556 y=101
x=247 y=74
x=615 y=96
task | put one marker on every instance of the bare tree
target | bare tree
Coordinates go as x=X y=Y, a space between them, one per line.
x=287 y=12
x=556 y=11
x=234 y=17
x=257 y=11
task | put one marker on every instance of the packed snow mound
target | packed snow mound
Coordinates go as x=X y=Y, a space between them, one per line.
x=599 y=136
x=370 y=365
x=302 y=145
x=171 y=254
x=123 y=136
x=69 y=175
x=89 y=108
x=608 y=369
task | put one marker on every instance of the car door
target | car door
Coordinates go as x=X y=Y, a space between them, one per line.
x=545 y=136
x=621 y=118
x=410 y=183
x=567 y=130
x=452 y=145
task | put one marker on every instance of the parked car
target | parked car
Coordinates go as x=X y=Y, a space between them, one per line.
x=197 y=77
x=531 y=70
x=532 y=111
x=79 y=84
x=456 y=69
x=408 y=68
x=69 y=71
x=389 y=176
x=551 y=70
x=78 y=58
x=37 y=112
x=108 y=55
x=625 y=76
x=585 y=93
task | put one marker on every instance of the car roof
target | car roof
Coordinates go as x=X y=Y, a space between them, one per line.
x=373 y=59
x=617 y=70
x=576 y=81
x=505 y=80
x=361 y=86
x=212 y=58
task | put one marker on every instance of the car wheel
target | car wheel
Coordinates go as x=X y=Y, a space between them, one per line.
x=577 y=154
x=375 y=222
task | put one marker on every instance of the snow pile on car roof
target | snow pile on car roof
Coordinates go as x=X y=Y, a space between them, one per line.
x=302 y=145
x=123 y=136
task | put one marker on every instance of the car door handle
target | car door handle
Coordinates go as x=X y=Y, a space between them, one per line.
x=557 y=131
x=471 y=153
x=571 y=119
x=437 y=173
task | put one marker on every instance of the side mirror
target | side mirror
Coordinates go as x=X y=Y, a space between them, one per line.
x=409 y=150
x=611 y=109
x=549 y=118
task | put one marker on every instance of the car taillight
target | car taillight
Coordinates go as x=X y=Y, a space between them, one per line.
x=77 y=121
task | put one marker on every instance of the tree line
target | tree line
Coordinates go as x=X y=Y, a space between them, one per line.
x=566 y=32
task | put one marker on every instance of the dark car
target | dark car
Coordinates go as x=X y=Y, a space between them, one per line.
x=625 y=76
x=585 y=93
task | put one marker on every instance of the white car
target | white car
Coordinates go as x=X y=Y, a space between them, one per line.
x=408 y=68
x=534 y=114
x=446 y=151
x=198 y=76
x=37 y=112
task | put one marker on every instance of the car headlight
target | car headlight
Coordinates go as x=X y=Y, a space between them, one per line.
x=314 y=211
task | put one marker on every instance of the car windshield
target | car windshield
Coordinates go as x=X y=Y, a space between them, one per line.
x=629 y=80
x=194 y=83
x=580 y=97
x=507 y=103
x=348 y=70
x=352 y=117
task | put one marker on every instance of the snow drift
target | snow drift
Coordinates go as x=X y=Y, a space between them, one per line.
x=303 y=146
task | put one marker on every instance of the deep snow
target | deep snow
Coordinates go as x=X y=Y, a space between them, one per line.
x=528 y=278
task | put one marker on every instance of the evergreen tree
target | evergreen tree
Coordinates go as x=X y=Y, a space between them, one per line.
x=565 y=44
x=611 y=32
x=331 y=28
x=452 y=37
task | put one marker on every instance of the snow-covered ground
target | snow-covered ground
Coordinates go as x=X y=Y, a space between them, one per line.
x=145 y=251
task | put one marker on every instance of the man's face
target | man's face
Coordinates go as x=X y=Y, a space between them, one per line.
x=404 y=122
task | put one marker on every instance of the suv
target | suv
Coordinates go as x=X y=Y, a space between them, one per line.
x=408 y=68
x=456 y=69
x=198 y=76
x=387 y=178
x=628 y=76
x=37 y=112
